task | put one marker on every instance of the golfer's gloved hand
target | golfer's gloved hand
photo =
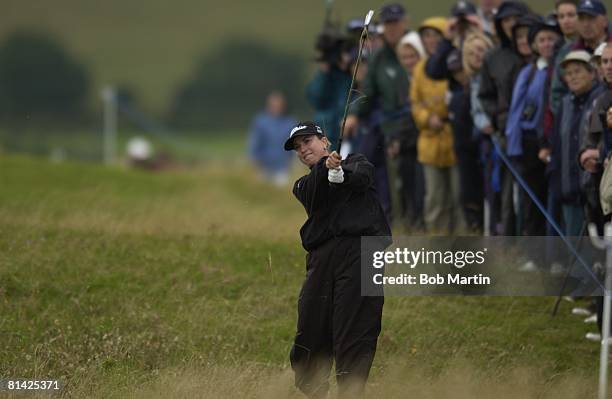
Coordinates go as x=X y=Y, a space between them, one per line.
x=335 y=175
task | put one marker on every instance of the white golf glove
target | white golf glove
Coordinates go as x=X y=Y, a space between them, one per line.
x=335 y=176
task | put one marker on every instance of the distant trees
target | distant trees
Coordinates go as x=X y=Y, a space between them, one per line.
x=231 y=83
x=40 y=80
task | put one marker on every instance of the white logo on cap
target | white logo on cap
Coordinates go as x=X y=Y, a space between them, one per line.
x=587 y=3
x=297 y=128
x=302 y=127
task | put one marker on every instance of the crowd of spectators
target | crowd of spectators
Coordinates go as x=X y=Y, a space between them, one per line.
x=491 y=120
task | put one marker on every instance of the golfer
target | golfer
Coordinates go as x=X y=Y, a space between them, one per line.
x=334 y=320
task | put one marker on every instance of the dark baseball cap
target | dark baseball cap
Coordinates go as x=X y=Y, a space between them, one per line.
x=591 y=7
x=302 y=129
x=463 y=8
x=391 y=12
x=543 y=25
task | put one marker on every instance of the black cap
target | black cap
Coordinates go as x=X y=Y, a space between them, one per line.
x=391 y=12
x=547 y=24
x=529 y=21
x=302 y=129
x=511 y=9
x=463 y=8
x=591 y=7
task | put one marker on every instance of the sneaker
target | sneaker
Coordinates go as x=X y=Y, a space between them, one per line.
x=557 y=269
x=568 y=298
x=591 y=319
x=528 y=267
x=581 y=312
x=595 y=337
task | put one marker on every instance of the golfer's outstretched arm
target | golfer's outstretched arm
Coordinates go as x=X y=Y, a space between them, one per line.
x=358 y=173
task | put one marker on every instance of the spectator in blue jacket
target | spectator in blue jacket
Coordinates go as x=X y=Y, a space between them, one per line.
x=267 y=133
x=524 y=131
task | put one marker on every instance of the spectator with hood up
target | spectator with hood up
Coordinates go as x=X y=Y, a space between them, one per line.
x=435 y=143
x=499 y=71
x=412 y=184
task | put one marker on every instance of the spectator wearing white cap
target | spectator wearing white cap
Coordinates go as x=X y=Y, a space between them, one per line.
x=596 y=60
x=410 y=51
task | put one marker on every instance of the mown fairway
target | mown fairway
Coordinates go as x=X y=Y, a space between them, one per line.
x=183 y=284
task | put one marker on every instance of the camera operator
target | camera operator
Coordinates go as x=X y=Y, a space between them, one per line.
x=329 y=88
x=463 y=20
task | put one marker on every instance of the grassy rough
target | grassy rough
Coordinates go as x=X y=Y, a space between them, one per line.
x=183 y=284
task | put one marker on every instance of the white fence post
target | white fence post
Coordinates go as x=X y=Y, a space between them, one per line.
x=605 y=243
x=109 y=97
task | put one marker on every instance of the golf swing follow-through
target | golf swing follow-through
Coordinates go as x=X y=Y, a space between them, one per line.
x=335 y=322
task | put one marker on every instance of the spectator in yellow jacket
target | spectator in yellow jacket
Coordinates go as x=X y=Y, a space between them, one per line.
x=435 y=143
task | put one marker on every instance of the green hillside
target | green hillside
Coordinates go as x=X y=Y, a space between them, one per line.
x=152 y=46
x=183 y=284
